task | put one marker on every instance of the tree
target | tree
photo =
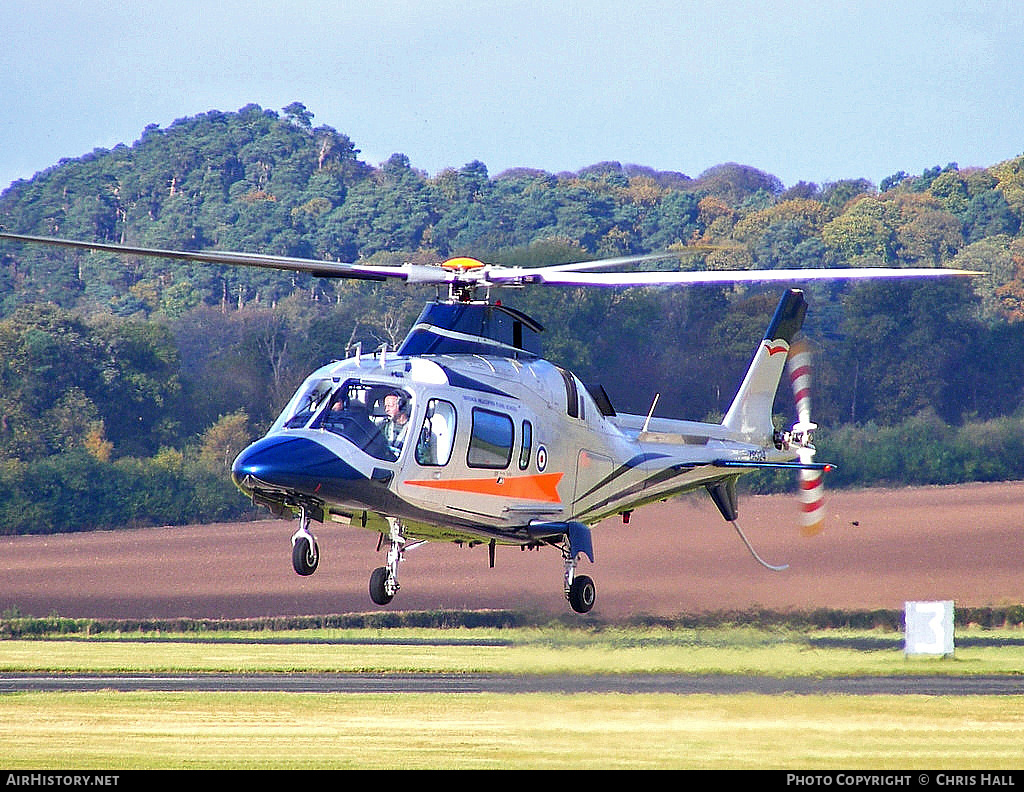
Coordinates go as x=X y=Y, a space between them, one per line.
x=114 y=379
x=988 y=214
x=735 y=184
x=898 y=362
x=866 y=228
x=839 y=194
x=297 y=113
x=391 y=211
x=223 y=441
x=926 y=234
x=787 y=234
x=141 y=389
x=1010 y=180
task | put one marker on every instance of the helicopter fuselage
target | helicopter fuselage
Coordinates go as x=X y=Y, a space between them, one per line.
x=494 y=448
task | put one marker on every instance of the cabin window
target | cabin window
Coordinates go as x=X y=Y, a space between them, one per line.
x=437 y=435
x=490 y=440
x=527 y=447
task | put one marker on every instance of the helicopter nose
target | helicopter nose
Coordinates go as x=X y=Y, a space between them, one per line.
x=294 y=463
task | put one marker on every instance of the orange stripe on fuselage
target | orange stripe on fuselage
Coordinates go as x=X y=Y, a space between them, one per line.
x=541 y=487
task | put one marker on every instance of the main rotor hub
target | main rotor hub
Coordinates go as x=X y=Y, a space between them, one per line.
x=468 y=275
x=462 y=263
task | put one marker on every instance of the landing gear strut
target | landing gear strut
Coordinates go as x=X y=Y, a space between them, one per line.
x=305 y=552
x=384 y=580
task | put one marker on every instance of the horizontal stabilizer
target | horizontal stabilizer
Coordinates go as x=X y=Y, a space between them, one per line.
x=739 y=463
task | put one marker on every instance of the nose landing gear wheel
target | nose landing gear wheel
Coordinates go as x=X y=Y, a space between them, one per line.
x=582 y=594
x=305 y=556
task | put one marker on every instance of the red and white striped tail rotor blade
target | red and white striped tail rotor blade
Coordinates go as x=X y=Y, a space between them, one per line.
x=812 y=496
x=799 y=363
x=811 y=482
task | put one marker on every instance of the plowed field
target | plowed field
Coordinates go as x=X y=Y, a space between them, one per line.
x=880 y=548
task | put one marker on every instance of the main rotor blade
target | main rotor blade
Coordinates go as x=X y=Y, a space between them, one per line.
x=321 y=269
x=556 y=275
x=498 y=275
x=608 y=262
x=563 y=278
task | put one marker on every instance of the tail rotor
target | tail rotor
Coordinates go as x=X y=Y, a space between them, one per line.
x=811 y=480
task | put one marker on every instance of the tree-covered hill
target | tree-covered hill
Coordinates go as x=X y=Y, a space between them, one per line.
x=121 y=362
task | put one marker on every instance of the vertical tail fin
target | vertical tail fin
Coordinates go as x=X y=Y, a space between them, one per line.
x=750 y=413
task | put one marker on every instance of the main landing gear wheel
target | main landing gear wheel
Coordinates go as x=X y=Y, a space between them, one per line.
x=384 y=580
x=380 y=592
x=579 y=589
x=582 y=594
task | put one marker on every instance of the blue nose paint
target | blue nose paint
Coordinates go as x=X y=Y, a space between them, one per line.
x=293 y=463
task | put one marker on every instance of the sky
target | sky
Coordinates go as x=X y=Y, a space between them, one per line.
x=812 y=91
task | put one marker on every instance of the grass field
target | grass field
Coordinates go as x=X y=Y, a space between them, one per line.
x=126 y=730
x=109 y=730
x=722 y=650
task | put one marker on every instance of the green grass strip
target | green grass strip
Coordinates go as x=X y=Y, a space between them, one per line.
x=109 y=731
x=550 y=650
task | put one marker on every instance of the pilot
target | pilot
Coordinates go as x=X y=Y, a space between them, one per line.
x=340 y=408
x=397 y=424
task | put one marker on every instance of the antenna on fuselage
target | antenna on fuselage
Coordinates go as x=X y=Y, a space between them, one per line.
x=649 y=414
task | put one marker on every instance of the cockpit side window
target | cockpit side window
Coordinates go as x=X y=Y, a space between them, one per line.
x=437 y=434
x=306 y=404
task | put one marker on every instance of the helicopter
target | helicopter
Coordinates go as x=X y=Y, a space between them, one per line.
x=466 y=434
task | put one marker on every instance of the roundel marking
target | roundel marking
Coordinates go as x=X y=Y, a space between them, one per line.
x=542 y=458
